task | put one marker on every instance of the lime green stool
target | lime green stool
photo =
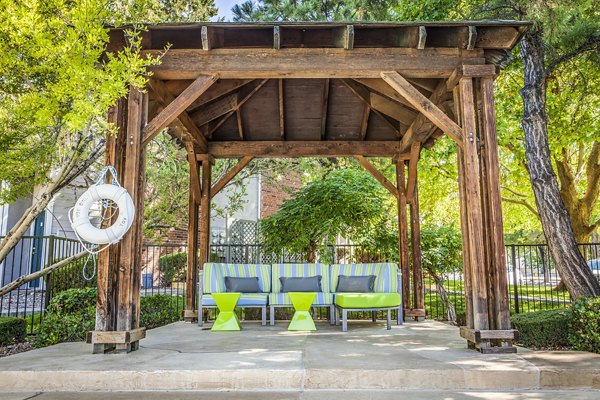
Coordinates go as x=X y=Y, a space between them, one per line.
x=226 y=320
x=302 y=320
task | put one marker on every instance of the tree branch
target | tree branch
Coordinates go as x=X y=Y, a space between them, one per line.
x=592 y=43
x=522 y=203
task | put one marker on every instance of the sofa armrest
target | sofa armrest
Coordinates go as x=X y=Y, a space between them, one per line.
x=400 y=286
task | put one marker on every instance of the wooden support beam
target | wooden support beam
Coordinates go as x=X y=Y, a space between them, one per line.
x=192 y=243
x=328 y=148
x=379 y=86
x=218 y=90
x=501 y=311
x=116 y=337
x=349 y=37
x=310 y=62
x=195 y=183
x=422 y=37
x=240 y=124
x=393 y=109
x=472 y=38
x=364 y=124
x=281 y=110
x=276 y=38
x=472 y=193
x=215 y=109
x=470 y=71
x=403 y=233
x=365 y=96
x=415 y=237
x=204 y=246
x=415 y=152
x=324 y=107
x=174 y=109
x=206 y=45
x=423 y=105
x=229 y=175
x=377 y=175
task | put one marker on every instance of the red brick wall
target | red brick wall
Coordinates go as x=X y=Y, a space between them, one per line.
x=274 y=191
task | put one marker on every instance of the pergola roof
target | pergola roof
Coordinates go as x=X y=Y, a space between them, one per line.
x=295 y=89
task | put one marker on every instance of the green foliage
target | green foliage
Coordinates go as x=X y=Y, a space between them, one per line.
x=156 y=11
x=313 y=10
x=542 y=329
x=584 y=324
x=57 y=85
x=159 y=310
x=12 y=330
x=344 y=202
x=69 y=316
x=173 y=267
x=441 y=248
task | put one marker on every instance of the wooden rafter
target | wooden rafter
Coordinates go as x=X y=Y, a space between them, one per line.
x=281 y=116
x=365 y=96
x=251 y=90
x=324 y=107
x=219 y=89
x=175 y=109
x=240 y=124
x=377 y=175
x=229 y=175
x=379 y=86
x=364 y=124
x=195 y=179
x=393 y=109
x=423 y=105
x=421 y=126
x=411 y=183
x=215 y=109
x=312 y=148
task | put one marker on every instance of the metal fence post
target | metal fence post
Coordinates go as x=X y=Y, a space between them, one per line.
x=332 y=248
x=514 y=271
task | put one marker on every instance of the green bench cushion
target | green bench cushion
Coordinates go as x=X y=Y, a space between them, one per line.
x=367 y=300
x=386 y=275
x=215 y=273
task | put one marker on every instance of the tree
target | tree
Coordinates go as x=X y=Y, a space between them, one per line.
x=344 y=202
x=313 y=10
x=57 y=84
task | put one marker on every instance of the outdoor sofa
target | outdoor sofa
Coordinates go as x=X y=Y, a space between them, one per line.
x=381 y=293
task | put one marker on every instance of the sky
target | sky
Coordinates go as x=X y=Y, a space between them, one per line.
x=224 y=7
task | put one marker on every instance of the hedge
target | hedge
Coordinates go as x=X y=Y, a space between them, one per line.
x=584 y=324
x=542 y=329
x=12 y=330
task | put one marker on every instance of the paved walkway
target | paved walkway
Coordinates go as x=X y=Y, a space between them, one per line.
x=270 y=360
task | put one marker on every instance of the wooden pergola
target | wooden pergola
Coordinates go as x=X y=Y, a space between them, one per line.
x=318 y=90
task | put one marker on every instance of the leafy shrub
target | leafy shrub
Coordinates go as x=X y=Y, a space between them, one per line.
x=159 y=310
x=584 y=324
x=173 y=267
x=12 y=330
x=69 y=316
x=542 y=329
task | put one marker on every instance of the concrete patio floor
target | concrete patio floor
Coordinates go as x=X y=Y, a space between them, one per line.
x=270 y=362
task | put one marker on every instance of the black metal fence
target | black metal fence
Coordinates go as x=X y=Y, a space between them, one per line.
x=534 y=283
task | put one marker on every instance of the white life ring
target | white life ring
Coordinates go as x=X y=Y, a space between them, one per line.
x=81 y=222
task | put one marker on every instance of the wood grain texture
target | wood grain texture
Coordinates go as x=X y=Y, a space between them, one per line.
x=192 y=243
x=417 y=263
x=310 y=62
x=377 y=175
x=403 y=234
x=423 y=105
x=328 y=148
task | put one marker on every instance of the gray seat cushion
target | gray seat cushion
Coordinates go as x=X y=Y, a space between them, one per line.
x=242 y=285
x=305 y=284
x=355 y=284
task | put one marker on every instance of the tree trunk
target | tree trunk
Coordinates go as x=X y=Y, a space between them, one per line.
x=570 y=264
x=443 y=293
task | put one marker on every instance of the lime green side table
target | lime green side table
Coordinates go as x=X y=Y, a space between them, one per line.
x=302 y=321
x=226 y=320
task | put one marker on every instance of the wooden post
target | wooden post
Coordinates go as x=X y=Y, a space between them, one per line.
x=207 y=163
x=417 y=271
x=190 y=313
x=481 y=219
x=403 y=234
x=117 y=319
x=494 y=207
x=473 y=205
x=108 y=259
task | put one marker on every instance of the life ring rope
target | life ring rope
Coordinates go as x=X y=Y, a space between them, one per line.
x=78 y=215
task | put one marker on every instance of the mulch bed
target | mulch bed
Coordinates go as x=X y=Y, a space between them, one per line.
x=6 y=351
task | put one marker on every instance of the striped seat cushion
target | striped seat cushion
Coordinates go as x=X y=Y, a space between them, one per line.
x=299 y=271
x=386 y=275
x=215 y=273
x=246 y=299
x=283 y=299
